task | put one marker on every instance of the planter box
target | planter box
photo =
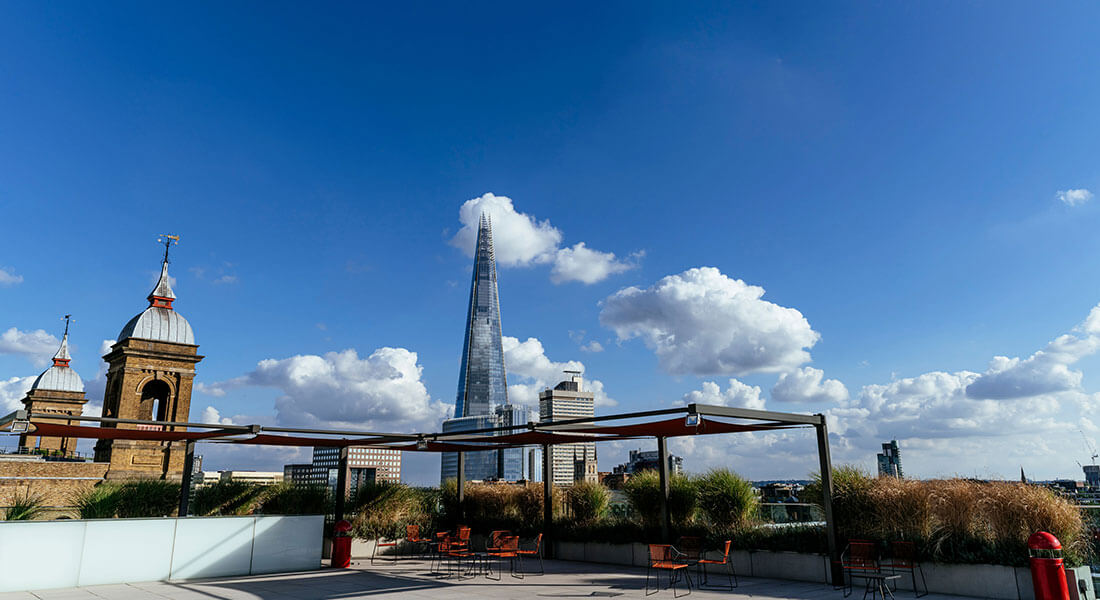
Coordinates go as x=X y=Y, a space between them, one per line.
x=614 y=554
x=786 y=565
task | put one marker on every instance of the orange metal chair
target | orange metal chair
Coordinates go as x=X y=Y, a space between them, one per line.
x=412 y=537
x=726 y=561
x=860 y=556
x=381 y=544
x=903 y=557
x=508 y=548
x=463 y=540
x=536 y=551
x=663 y=557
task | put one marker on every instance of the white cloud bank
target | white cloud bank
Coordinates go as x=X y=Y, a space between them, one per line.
x=340 y=389
x=530 y=371
x=1074 y=197
x=704 y=323
x=521 y=240
x=12 y=392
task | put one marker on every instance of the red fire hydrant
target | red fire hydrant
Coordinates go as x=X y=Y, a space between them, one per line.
x=1047 y=573
x=341 y=545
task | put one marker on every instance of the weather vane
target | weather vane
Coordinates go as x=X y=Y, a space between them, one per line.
x=167 y=240
x=66 y=317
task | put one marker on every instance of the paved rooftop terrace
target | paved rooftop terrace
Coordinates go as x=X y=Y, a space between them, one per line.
x=412 y=580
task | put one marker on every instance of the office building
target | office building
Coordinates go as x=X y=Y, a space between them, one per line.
x=889 y=461
x=649 y=460
x=256 y=477
x=568 y=400
x=365 y=465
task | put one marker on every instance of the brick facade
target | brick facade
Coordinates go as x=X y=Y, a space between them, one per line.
x=56 y=482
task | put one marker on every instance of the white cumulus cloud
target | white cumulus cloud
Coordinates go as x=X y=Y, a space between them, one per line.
x=521 y=240
x=808 y=385
x=738 y=395
x=36 y=345
x=530 y=371
x=8 y=276
x=583 y=264
x=339 y=389
x=213 y=416
x=12 y=392
x=705 y=323
x=1074 y=197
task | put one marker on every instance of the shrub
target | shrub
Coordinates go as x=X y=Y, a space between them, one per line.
x=148 y=498
x=644 y=492
x=384 y=509
x=954 y=520
x=588 y=501
x=227 y=498
x=24 y=507
x=289 y=499
x=98 y=502
x=727 y=500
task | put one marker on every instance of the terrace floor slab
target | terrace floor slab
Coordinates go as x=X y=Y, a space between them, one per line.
x=412 y=580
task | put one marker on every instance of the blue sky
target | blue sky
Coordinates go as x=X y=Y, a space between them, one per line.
x=890 y=172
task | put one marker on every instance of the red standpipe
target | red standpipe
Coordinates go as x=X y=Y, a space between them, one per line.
x=341 y=545
x=1047 y=572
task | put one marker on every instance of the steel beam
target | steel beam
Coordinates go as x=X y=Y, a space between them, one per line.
x=756 y=415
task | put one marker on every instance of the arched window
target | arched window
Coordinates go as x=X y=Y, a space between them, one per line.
x=154 y=400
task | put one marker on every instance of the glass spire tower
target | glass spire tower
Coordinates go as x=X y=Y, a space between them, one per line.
x=482 y=383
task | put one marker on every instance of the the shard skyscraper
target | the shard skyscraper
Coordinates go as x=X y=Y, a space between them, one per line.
x=482 y=383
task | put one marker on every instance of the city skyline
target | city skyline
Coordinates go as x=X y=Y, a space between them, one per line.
x=884 y=215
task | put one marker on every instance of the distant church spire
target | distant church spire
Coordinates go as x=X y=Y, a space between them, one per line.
x=1023 y=478
x=162 y=295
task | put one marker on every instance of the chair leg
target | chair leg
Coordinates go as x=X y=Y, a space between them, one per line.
x=647 y=572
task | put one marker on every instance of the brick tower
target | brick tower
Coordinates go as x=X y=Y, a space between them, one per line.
x=58 y=390
x=149 y=375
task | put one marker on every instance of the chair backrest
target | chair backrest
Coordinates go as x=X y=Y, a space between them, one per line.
x=726 y=551
x=690 y=546
x=464 y=533
x=509 y=543
x=538 y=542
x=412 y=532
x=862 y=554
x=495 y=537
x=903 y=552
x=659 y=552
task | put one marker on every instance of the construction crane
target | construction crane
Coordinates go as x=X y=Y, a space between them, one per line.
x=1090 y=446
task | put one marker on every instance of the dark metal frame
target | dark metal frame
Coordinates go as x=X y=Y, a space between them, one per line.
x=571 y=426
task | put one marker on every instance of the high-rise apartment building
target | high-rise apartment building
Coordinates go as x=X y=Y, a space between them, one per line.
x=568 y=400
x=649 y=460
x=889 y=461
x=482 y=383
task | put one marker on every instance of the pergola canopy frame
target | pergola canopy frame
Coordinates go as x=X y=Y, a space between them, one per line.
x=587 y=429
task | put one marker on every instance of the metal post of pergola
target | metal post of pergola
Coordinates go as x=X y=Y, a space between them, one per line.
x=547 y=502
x=188 y=473
x=460 y=487
x=700 y=419
x=341 y=485
x=666 y=488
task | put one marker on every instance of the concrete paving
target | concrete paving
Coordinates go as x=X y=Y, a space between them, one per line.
x=411 y=579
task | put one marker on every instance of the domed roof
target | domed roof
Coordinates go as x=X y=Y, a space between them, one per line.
x=60 y=377
x=160 y=325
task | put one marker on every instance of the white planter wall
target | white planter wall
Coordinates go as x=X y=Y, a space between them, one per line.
x=55 y=554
